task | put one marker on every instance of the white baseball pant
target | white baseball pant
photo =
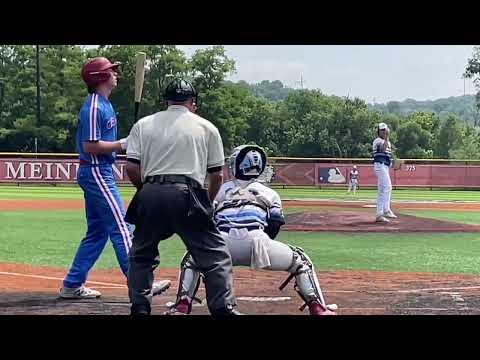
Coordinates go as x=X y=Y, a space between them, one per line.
x=384 y=186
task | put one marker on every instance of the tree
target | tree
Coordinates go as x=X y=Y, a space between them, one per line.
x=412 y=141
x=270 y=90
x=63 y=93
x=209 y=67
x=468 y=150
x=449 y=137
x=19 y=123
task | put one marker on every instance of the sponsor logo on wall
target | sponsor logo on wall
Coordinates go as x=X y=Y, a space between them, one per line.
x=330 y=175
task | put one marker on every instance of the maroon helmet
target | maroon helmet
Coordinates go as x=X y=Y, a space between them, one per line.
x=95 y=71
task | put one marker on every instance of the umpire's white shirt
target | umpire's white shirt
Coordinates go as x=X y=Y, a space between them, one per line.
x=175 y=141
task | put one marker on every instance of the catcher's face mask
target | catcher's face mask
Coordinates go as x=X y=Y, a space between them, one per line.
x=247 y=162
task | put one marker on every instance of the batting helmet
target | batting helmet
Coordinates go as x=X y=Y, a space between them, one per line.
x=247 y=162
x=95 y=71
x=180 y=90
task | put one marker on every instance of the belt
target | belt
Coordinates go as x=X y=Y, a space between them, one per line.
x=173 y=179
x=249 y=228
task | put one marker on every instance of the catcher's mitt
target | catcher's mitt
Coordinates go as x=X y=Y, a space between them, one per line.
x=397 y=164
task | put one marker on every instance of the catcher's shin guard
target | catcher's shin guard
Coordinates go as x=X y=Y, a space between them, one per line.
x=306 y=281
x=188 y=282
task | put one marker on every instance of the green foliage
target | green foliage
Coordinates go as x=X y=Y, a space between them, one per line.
x=449 y=137
x=464 y=107
x=469 y=149
x=285 y=121
x=270 y=90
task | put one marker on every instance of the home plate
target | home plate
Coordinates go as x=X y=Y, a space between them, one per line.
x=195 y=304
x=264 y=299
x=369 y=206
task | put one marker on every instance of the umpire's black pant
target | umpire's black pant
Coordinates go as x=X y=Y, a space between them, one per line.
x=160 y=210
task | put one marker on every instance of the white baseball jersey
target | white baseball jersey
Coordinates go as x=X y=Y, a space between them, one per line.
x=175 y=141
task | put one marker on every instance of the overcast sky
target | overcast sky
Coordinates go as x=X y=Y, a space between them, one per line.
x=393 y=72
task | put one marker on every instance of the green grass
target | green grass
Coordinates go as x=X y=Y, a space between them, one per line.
x=452 y=253
x=51 y=238
x=74 y=192
x=466 y=217
x=397 y=195
x=35 y=237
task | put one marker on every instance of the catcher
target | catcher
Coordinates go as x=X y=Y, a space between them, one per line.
x=249 y=215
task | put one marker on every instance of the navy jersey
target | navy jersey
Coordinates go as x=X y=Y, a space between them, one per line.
x=383 y=157
x=97 y=121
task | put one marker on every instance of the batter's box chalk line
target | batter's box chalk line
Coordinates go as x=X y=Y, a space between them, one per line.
x=264 y=298
x=244 y=298
x=43 y=277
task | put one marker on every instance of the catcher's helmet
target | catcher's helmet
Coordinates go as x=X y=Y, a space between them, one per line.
x=95 y=71
x=180 y=90
x=247 y=162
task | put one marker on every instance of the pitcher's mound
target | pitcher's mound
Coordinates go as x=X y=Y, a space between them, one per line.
x=349 y=221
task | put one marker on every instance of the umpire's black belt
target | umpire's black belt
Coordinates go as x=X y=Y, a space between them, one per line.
x=173 y=179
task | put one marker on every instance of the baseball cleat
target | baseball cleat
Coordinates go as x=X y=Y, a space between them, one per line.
x=183 y=307
x=81 y=292
x=390 y=214
x=317 y=309
x=159 y=287
x=382 y=219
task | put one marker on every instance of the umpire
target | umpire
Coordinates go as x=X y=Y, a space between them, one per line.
x=168 y=157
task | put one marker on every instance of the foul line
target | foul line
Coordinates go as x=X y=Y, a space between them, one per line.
x=403 y=291
x=115 y=285
x=401 y=309
x=440 y=289
x=60 y=279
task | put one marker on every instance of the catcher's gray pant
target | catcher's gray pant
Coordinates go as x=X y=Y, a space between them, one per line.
x=159 y=211
x=280 y=256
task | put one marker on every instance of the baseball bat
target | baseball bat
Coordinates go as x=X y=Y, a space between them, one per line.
x=139 y=78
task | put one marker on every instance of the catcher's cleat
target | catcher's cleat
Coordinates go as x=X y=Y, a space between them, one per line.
x=382 y=220
x=182 y=307
x=159 y=287
x=317 y=309
x=81 y=292
x=390 y=214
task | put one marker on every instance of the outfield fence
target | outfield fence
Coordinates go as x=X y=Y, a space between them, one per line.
x=320 y=172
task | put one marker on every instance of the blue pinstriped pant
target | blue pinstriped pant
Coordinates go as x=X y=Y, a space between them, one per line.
x=105 y=212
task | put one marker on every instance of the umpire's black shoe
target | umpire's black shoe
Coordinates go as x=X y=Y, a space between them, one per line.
x=228 y=311
x=139 y=310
